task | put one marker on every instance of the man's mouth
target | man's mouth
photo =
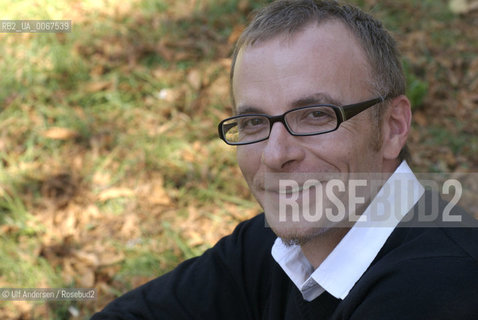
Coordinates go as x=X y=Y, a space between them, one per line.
x=288 y=190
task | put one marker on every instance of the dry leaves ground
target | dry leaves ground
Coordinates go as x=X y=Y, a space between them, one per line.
x=110 y=168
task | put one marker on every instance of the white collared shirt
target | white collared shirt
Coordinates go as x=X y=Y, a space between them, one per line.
x=349 y=260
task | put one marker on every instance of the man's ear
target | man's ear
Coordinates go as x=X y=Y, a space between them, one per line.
x=396 y=125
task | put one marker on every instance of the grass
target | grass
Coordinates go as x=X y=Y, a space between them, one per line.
x=140 y=87
x=416 y=87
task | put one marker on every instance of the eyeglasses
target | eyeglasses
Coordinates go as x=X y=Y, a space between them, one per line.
x=303 y=121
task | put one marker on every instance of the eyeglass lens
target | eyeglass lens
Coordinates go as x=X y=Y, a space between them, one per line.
x=304 y=121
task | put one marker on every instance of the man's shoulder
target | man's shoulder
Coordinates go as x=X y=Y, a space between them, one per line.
x=430 y=244
x=464 y=238
x=421 y=273
x=434 y=228
x=221 y=281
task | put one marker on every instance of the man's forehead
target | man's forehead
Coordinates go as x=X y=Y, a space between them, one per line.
x=330 y=41
x=302 y=101
x=327 y=50
x=328 y=32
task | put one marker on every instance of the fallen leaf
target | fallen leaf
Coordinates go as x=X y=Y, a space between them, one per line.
x=68 y=273
x=101 y=178
x=113 y=193
x=97 y=86
x=169 y=95
x=194 y=79
x=420 y=118
x=90 y=259
x=165 y=52
x=58 y=133
x=109 y=258
x=84 y=275
x=235 y=34
x=159 y=196
x=130 y=226
x=458 y=6
x=462 y=6
x=243 y=6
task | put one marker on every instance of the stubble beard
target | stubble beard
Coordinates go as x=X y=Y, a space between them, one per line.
x=298 y=237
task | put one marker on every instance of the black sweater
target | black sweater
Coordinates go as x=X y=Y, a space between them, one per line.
x=420 y=273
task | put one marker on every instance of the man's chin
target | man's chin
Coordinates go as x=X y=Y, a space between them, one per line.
x=293 y=234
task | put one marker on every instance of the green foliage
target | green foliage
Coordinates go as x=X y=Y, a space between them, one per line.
x=187 y=251
x=399 y=16
x=456 y=143
x=21 y=267
x=417 y=88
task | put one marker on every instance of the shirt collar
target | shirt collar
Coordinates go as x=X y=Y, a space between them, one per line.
x=344 y=266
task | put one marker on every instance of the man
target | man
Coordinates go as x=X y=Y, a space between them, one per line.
x=319 y=92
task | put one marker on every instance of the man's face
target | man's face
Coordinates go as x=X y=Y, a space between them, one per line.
x=321 y=64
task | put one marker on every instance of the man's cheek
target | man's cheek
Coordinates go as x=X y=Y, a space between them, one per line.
x=242 y=162
x=248 y=159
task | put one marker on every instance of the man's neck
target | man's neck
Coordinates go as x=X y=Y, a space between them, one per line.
x=317 y=249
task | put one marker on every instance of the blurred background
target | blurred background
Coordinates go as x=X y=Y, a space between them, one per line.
x=111 y=172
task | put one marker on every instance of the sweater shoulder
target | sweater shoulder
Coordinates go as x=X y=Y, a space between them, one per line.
x=420 y=273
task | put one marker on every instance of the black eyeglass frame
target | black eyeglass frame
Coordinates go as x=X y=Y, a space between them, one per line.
x=343 y=113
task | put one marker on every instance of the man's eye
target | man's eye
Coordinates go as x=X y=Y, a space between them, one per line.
x=317 y=114
x=251 y=122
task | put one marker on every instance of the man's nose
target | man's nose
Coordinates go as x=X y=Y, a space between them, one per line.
x=282 y=150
